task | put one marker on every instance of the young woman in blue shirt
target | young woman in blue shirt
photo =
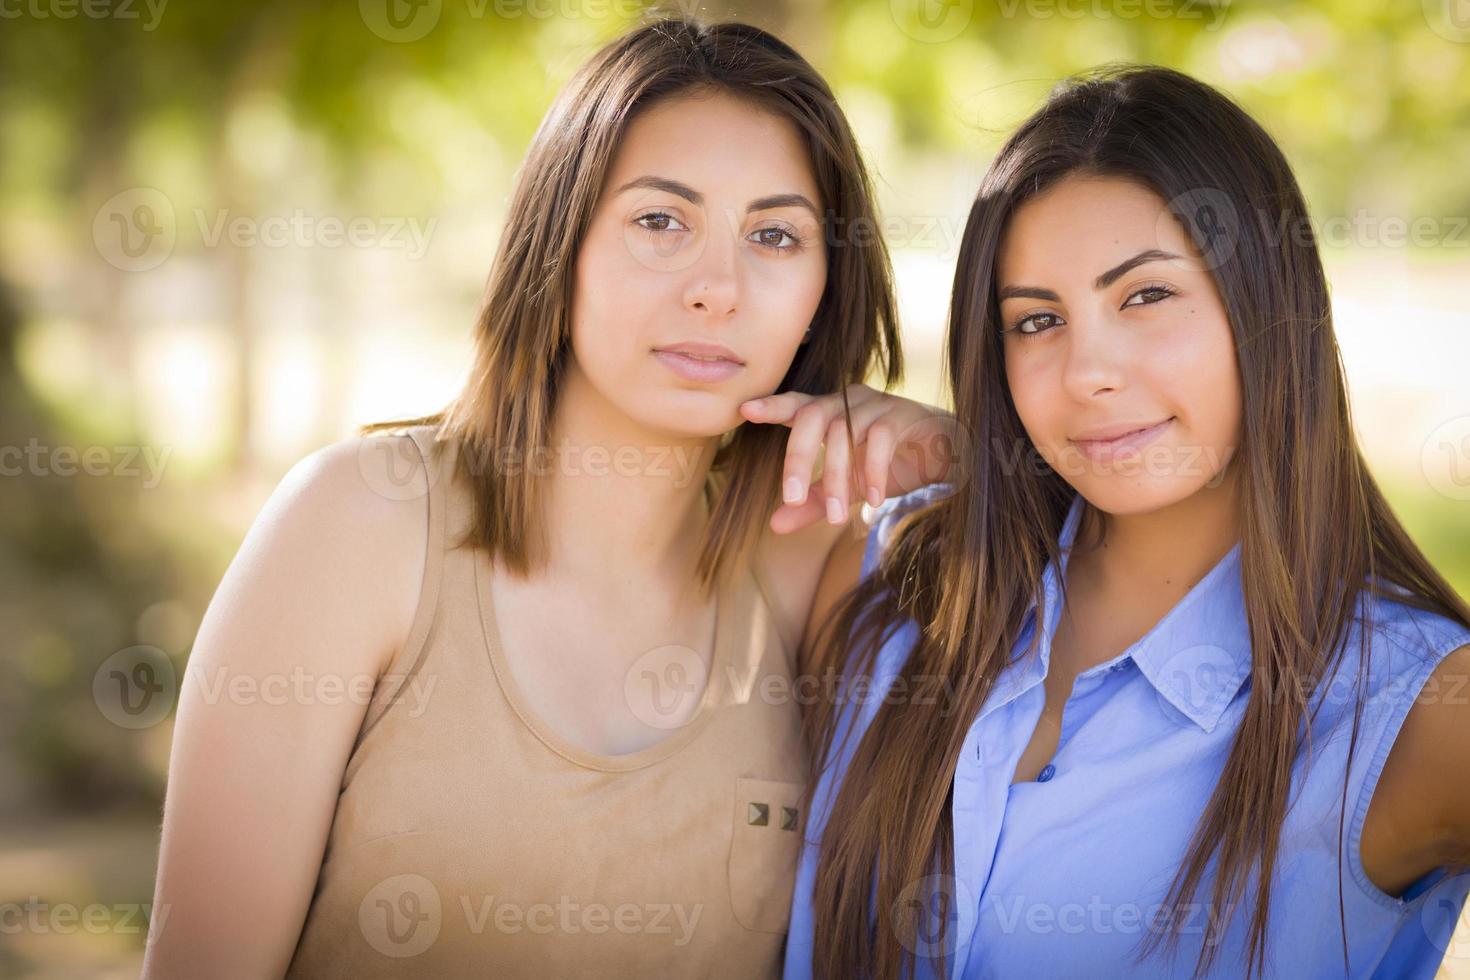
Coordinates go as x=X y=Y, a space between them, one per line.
x=1155 y=684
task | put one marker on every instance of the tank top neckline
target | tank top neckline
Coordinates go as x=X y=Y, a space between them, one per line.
x=727 y=617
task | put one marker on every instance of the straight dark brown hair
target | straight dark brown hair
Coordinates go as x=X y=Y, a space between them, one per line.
x=1317 y=534
x=523 y=333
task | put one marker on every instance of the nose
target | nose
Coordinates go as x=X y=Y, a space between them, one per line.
x=1096 y=360
x=713 y=286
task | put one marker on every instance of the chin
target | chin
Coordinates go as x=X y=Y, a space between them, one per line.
x=691 y=414
x=1124 y=496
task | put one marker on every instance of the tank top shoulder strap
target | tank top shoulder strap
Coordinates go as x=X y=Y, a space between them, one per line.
x=716 y=482
x=771 y=607
x=423 y=478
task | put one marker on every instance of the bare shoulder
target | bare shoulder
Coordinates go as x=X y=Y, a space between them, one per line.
x=313 y=605
x=812 y=569
x=839 y=576
x=1419 y=817
x=353 y=513
x=792 y=567
x=808 y=571
x=1434 y=744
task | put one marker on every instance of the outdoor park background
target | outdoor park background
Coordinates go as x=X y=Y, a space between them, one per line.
x=230 y=231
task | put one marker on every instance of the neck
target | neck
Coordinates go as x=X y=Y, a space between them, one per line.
x=1165 y=552
x=620 y=495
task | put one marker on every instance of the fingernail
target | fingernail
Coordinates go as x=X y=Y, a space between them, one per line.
x=756 y=402
x=834 y=511
x=875 y=496
x=792 y=491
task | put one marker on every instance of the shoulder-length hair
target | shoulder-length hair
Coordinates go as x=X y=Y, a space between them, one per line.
x=523 y=331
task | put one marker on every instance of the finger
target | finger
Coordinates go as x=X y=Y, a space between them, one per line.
x=801 y=451
x=931 y=448
x=775 y=409
x=794 y=517
x=878 y=460
x=837 y=472
x=860 y=394
x=864 y=416
x=782 y=408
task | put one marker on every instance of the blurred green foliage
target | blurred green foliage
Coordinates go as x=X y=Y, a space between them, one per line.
x=253 y=107
x=1371 y=102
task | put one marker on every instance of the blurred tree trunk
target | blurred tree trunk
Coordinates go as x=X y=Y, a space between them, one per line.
x=108 y=123
x=257 y=69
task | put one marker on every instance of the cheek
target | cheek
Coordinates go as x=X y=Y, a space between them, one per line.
x=1033 y=391
x=1223 y=399
x=1201 y=373
x=782 y=300
x=793 y=286
x=611 y=291
x=601 y=258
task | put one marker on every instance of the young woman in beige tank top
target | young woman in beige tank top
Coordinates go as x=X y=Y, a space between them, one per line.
x=538 y=705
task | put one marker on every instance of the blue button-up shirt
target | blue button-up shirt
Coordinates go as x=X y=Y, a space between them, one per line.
x=1065 y=876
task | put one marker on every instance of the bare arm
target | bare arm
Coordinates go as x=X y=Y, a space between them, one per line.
x=839 y=575
x=1419 y=818
x=794 y=564
x=900 y=444
x=308 y=615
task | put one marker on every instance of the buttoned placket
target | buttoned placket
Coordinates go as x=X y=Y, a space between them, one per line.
x=999 y=736
x=979 y=803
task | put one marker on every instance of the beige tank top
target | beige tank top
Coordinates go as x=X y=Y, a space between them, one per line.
x=471 y=841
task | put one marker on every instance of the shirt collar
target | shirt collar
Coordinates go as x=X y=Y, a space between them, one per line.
x=1197 y=656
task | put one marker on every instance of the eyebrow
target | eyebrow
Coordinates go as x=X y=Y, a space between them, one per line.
x=1101 y=282
x=697 y=199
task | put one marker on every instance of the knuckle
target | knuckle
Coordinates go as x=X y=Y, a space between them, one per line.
x=808 y=412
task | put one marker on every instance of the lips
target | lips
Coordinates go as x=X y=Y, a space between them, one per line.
x=1106 y=442
x=699 y=368
x=698 y=351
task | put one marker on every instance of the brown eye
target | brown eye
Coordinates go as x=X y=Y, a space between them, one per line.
x=659 y=221
x=1150 y=294
x=774 y=238
x=1037 y=323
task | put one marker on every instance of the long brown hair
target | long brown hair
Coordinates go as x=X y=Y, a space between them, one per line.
x=522 y=336
x=1315 y=530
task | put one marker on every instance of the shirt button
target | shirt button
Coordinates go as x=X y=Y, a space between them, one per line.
x=1046 y=773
